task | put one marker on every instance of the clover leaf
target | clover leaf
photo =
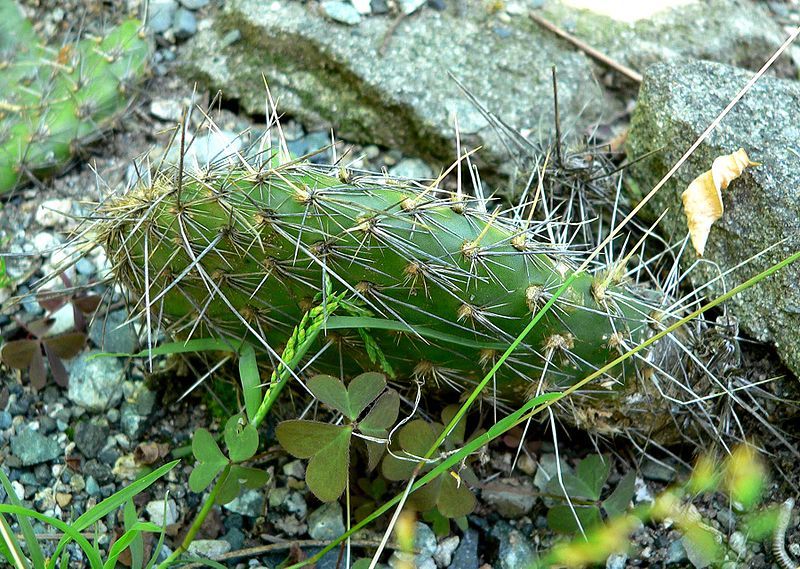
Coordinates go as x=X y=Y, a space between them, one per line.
x=328 y=446
x=210 y=460
x=448 y=493
x=585 y=489
x=241 y=442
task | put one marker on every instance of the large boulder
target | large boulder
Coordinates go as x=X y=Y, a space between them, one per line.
x=737 y=32
x=676 y=104
x=377 y=83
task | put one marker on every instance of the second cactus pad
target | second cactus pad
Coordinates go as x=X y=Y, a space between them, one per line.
x=241 y=252
x=55 y=99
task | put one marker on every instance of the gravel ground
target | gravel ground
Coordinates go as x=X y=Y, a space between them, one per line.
x=67 y=449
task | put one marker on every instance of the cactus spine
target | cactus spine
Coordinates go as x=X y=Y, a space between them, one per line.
x=240 y=252
x=54 y=100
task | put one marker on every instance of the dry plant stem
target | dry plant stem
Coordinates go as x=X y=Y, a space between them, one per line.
x=198 y=521
x=631 y=74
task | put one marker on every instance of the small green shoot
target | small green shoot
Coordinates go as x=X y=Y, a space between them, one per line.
x=241 y=442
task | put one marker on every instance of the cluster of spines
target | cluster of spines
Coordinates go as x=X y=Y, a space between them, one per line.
x=54 y=100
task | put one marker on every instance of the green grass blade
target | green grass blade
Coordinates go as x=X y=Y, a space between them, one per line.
x=127 y=539
x=37 y=558
x=115 y=501
x=194 y=345
x=68 y=530
x=130 y=518
x=251 y=381
x=9 y=546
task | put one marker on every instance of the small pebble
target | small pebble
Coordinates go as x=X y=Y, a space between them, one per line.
x=156 y=512
x=184 y=24
x=209 y=548
x=194 y=4
x=166 y=109
x=342 y=12
x=410 y=6
x=161 y=14
x=63 y=499
x=443 y=556
x=412 y=168
x=53 y=213
x=363 y=7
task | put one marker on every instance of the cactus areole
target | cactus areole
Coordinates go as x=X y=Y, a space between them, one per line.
x=240 y=252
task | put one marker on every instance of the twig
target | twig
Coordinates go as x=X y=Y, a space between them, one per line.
x=631 y=74
x=262 y=549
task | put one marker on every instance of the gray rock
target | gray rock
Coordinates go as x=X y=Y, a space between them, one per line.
x=425 y=543
x=343 y=12
x=738 y=543
x=413 y=168
x=209 y=548
x=424 y=540
x=312 y=142
x=31 y=447
x=410 y=6
x=136 y=410
x=510 y=501
x=95 y=384
x=323 y=73
x=92 y=487
x=676 y=103
x=5 y=419
x=235 y=537
x=661 y=472
x=184 y=23
x=444 y=551
x=616 y=561
x=90 y=437
x=403 y=560
x=85 y=267
x=161 y=13
x=514 y=551
x=166 y=109
x=156 y=512
x=248 y=503
x=112 y=334
x=194 y=4
x=325 y=523
x=737 y=32
x=676 y=553
x=466 y=554
x=207 y=149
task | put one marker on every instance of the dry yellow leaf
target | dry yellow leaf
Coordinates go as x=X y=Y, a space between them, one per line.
x=702 y=200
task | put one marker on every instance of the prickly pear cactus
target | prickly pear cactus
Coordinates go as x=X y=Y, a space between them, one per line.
x=53 y=100
x=240 y=252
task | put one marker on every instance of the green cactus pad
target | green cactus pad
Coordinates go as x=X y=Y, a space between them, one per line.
x=240 y=252
x=55 y=100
